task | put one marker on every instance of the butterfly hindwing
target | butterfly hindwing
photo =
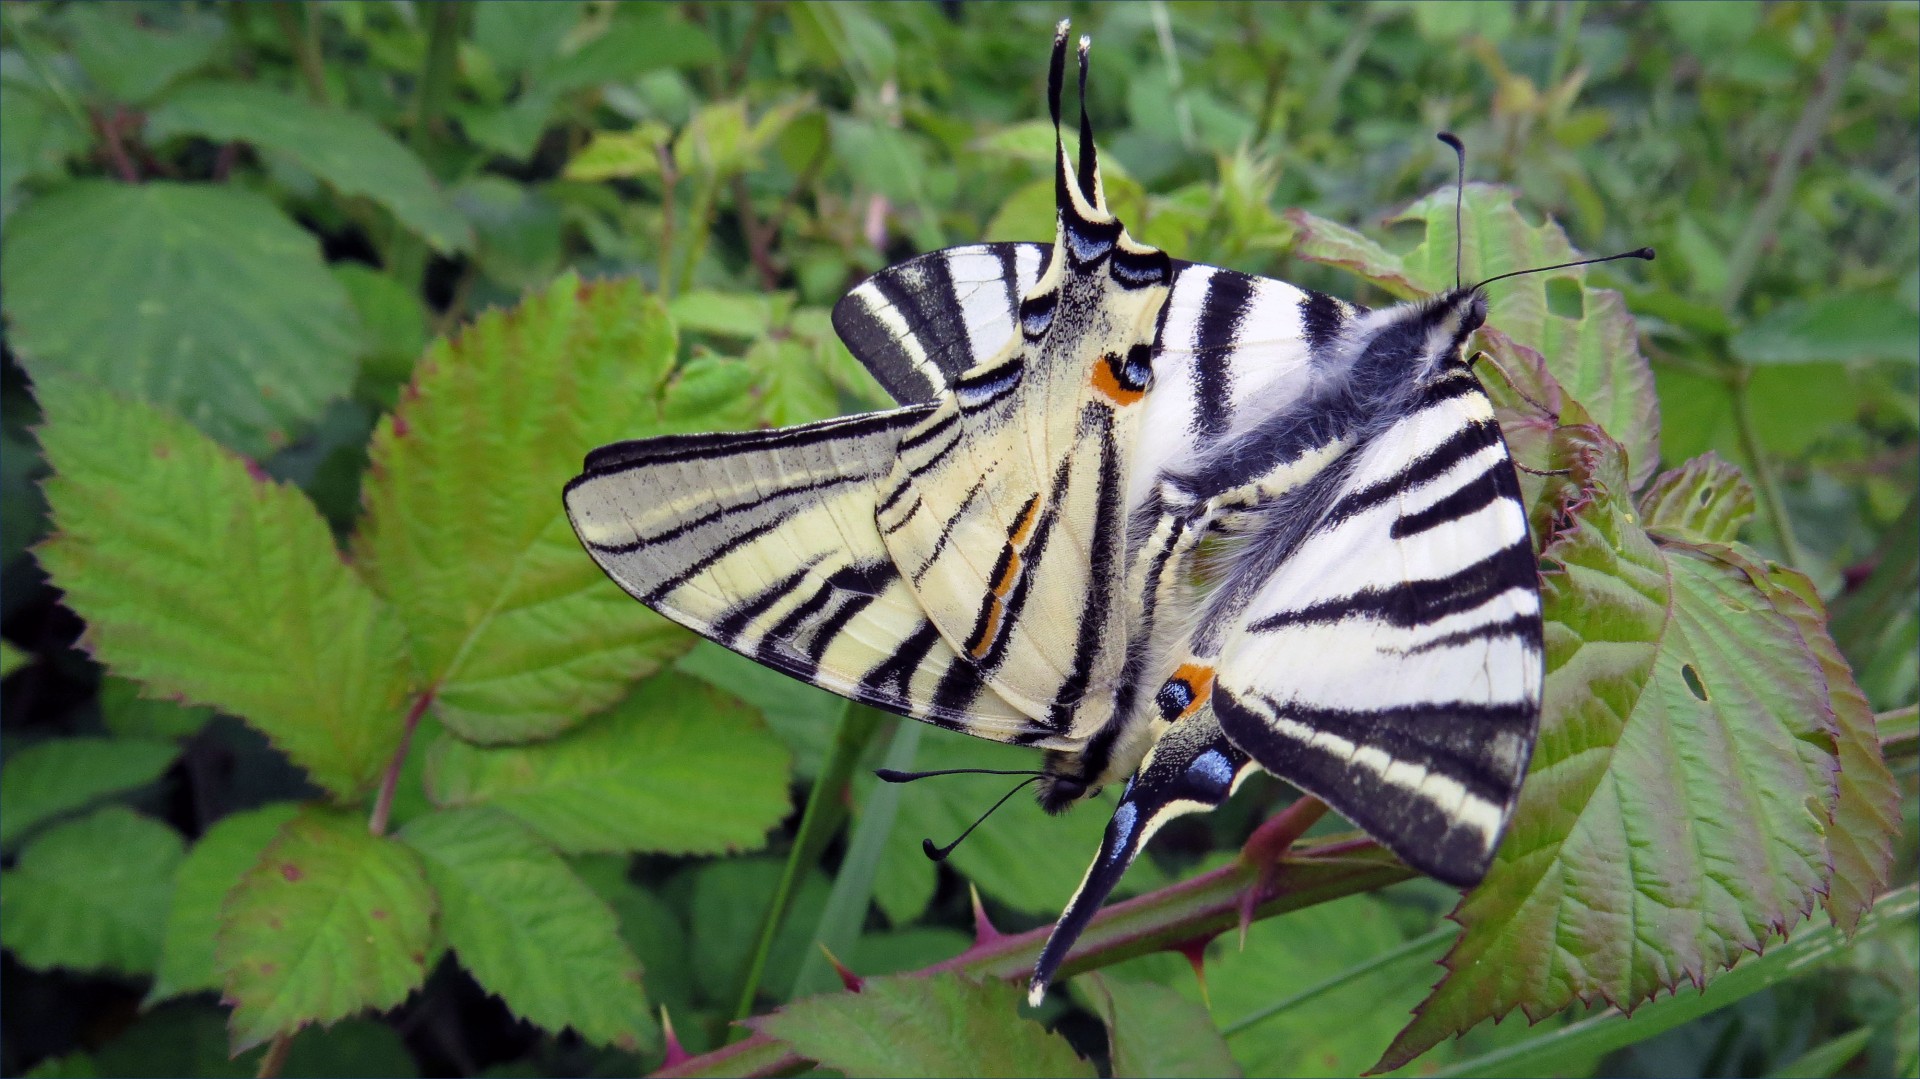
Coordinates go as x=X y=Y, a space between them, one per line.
x=764 y=542
x=1391 y=663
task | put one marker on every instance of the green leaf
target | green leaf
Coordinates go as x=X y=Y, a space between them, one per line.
x=519 y=633
x=1866 y=817
x=727 y=903
x=1593 y=1037
x=1279 y=1004
x=204 y=299
x=648 y=37
x=60 y=775
x=36 y=138
x=130 y=715
x=907 y=1025
x=214 y=585
x=521 y=34
x=191 y=1039
x=354 y=155
x=649 y=925
x=677 y=768
x=1705 y=500
x=743 y=316
x=1841 y=327
x=332 y=920
x=11 y=660
x=1154 y=1031
x=393 y=328
x=130 y=62
x=530 y=931
x=91 y=894
x=1594 y=357
x=612 y=155
x=200 y=887
x=802 y=715
x=1676 y=811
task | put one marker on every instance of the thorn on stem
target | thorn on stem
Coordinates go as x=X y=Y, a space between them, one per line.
x=984 y=931
x=853 y=982
x=676 y=1053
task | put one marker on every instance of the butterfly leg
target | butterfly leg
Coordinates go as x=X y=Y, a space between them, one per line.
x=1191 y=769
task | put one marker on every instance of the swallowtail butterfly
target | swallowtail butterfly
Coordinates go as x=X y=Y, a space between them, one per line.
x=1012 y=551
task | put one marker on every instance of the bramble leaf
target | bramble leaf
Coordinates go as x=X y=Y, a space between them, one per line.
x=204 y=299
x=332 y=920
x=1866 y=818
x=529 y=930
x=346 y=149
x=1154 y=1031
x=515 y=627
x=1705 y=500
x=90 y=894
x=61 y=775
x=1594 y=354
x=907 y=1025
x=210 y=870
x=1676 y=812
x=677 y=768
x=207 y=582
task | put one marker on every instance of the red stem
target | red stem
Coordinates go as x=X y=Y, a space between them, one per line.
x=390 y=782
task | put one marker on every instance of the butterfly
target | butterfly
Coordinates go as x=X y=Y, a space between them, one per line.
x=1165 y=522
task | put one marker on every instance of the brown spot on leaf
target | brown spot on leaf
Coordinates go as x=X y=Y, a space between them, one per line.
x=377 y=914
x=291 y=872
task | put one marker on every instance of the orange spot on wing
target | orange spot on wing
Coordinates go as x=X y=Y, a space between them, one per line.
x=1199 y=678
x=989 y=631
x=1106 y=381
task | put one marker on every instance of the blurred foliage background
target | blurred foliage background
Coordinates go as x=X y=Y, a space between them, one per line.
x=259 y=214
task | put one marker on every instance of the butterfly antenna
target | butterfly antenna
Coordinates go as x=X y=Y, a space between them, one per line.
x=1459 y=198
x=1645 y=253
x=894 y=775
x=1089 y=162
x=939 y=854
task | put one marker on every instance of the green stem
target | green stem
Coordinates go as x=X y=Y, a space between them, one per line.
x=1765 y=488
x=407 y=253
x=1806 y=133
x=826 y=809
x=1195 y=909
x=1899 y=731
x=275 y=1057
x=297 y=23
x=852 y=893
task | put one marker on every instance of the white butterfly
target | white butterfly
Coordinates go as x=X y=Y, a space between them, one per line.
x=1012 y=552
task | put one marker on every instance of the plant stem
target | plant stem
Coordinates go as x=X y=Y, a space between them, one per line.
x=1899 y=731
x=826 y=810
x=296 y=19
x=669 y=183
x=1351 y=974
x=1192 y=909
x=390 y=781
x=276 y=1056
x=1786 y=168
x=846 y=909
x=1765 y=488
x=407 y=253
x=1745 y=258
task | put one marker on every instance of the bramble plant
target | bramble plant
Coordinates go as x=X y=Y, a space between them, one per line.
x=353 y=762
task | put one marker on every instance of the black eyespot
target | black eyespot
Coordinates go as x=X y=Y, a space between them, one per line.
x=1173 y=698
x=1036 y=314
x=1137 y=372
x=1141 y=269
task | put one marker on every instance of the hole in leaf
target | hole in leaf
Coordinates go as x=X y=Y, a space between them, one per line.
x=1692 y=678
x=1565 y=298
x=1706 y=495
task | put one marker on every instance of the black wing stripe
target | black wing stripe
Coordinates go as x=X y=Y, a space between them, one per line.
x=670 y=449
x=1474 y=495
x=1222 y=313
x=738 y=618
x=1102 y=554
x=1462 y=444
x=1416 y=603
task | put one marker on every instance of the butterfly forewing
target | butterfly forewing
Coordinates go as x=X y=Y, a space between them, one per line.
x=764 y=542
